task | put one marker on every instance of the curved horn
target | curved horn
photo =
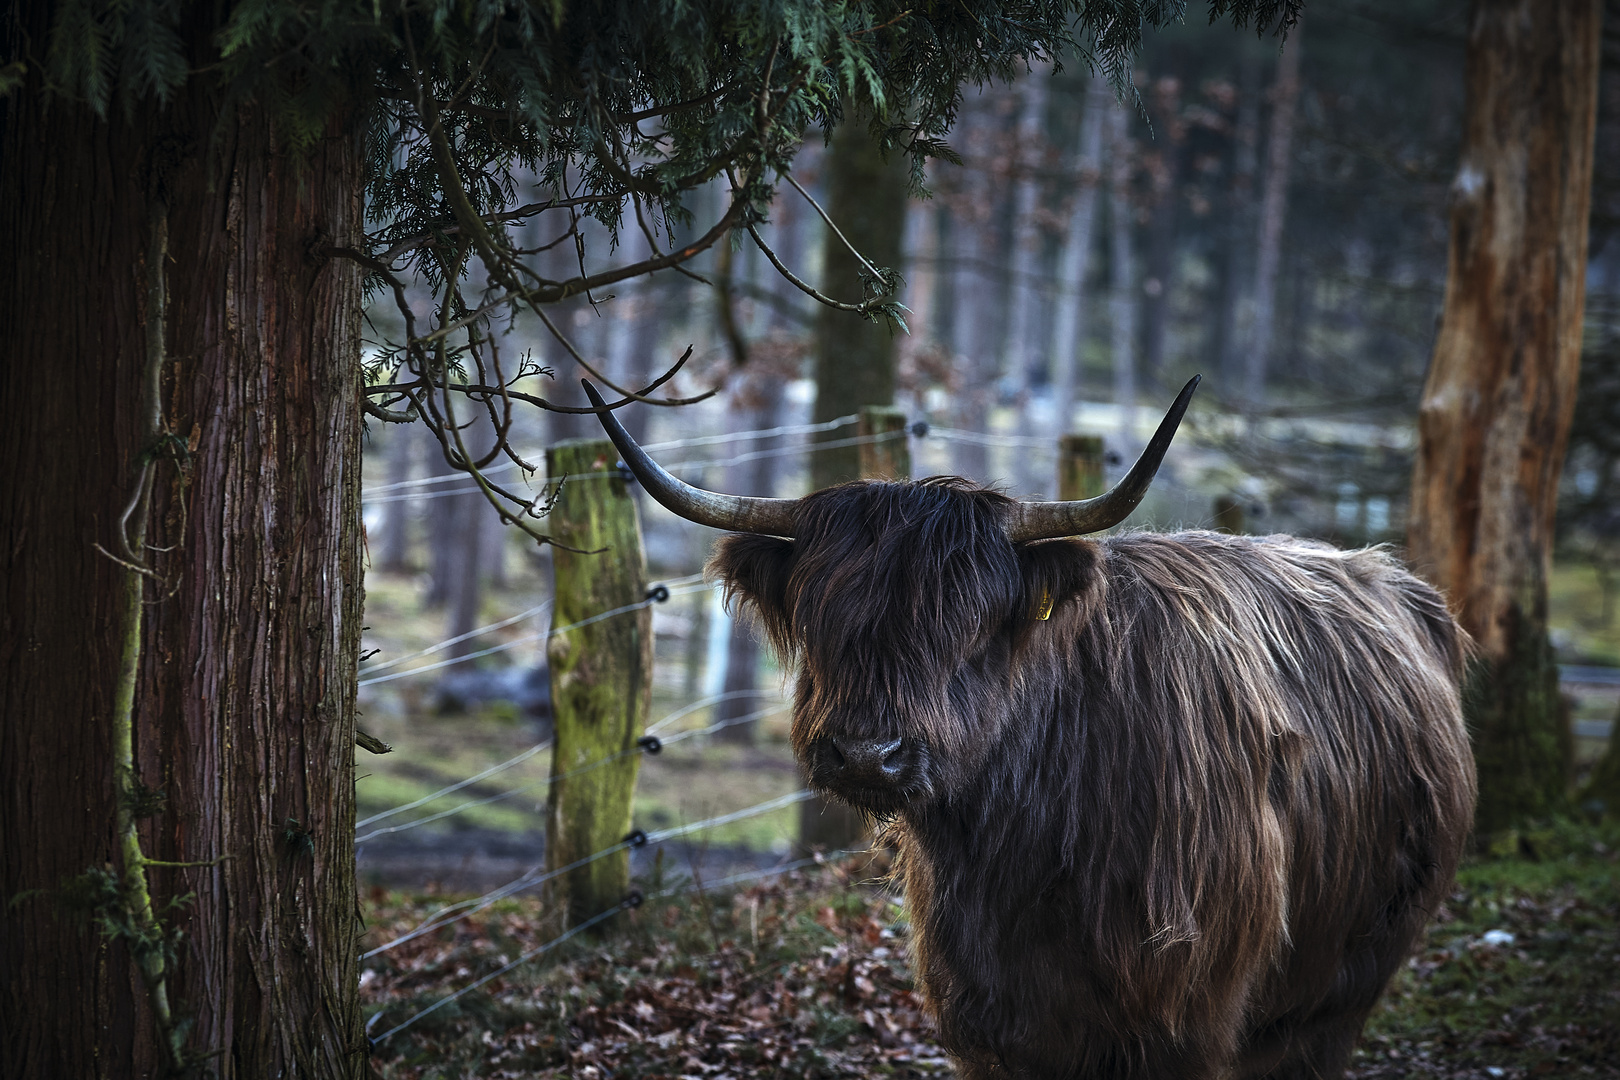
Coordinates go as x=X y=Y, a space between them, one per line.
x=735 y=513
x=1048 y=520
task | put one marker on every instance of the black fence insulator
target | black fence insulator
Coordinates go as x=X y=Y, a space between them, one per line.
x=624 y=472
x=637 y=838
x=658 y=594
x=634 y=900
x=920 y=429
x=650 y=744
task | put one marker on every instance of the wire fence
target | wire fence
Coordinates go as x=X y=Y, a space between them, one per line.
x=537 y=876
x=678 y=587
x=633 y=900
x=403 y=490
x=672 y=467
x=649 y=743
x=379 y=492
x=656 y=736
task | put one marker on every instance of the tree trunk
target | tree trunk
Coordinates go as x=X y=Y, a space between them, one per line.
x=1161 y=259
x=467 y=571
x=393 y=553
x=1226 y=351
x=854 y=361
x=1023 y=348
x=756 y=402
x=1069 y=327
x=974 y=250
x=1122 y=304
x=1273 y=210
x=1500 y=394
x=244 y=706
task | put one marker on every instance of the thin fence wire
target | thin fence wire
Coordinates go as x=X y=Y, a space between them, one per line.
x=652 y=729
x=674 y=590
x=457 y=786
x=678 y=466
x=574 y=931
x=672 y=444
x=544 y=605
x=545 y=782
x=984 y=438
x=703 y=703
x=382 y=665
x=533 y=877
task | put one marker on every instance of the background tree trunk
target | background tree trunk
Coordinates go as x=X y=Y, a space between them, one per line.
x=392 y=549
x=1122 y=301
x=1029 y=155
x=1165 y=170
x=854 y=358
x=1501 y=388
x=244 y=713
x=1273 y=211
x=1227 y=351
x=1069 y=325
x=756 y=403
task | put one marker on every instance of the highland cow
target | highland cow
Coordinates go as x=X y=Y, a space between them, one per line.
x=1166 y=806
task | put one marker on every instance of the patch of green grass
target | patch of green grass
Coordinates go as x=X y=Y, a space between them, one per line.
x=1519 y=974
x=1575 y=612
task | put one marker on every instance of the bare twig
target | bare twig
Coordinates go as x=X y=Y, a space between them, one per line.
x=831 y=224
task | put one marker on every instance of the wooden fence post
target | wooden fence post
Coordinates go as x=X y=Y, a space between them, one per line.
x=884 y=458
x=1229 y=514
x=601 y=674
x=1080 y=466
x=827 y=823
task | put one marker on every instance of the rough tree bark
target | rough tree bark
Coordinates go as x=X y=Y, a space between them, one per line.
x=1500 y=393
x=244 y=708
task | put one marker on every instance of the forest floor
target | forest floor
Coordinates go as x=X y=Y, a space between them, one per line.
x=805 y=974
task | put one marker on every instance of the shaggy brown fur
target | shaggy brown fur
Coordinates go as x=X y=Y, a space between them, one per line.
x=1186 y=827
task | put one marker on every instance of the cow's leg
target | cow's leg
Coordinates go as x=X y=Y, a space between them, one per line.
x=1319 y=1050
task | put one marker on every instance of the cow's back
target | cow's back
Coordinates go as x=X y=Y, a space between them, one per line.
x=1238 y=784
x=1350 y=666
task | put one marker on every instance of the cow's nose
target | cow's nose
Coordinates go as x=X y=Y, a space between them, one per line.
x=868 y=762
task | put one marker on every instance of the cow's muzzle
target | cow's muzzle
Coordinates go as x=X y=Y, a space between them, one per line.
x=879 y=775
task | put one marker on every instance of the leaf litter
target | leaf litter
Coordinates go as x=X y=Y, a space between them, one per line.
x=806 y=975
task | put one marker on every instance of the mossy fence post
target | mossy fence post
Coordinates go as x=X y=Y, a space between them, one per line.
x=1080 y=466
x=601 y=674
x=826 y=823
x=887 y=453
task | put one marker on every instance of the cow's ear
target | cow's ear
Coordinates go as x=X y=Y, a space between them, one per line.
x=754 y=570
x=1062 y=580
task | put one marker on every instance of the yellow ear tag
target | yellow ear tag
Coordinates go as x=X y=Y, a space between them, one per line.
x=1046 y=607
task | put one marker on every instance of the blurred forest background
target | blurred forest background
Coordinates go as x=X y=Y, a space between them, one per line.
x=1273 y=220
